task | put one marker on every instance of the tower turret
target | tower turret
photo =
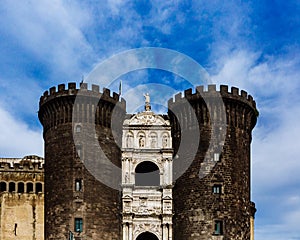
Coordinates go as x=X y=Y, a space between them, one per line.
x=212 y=198
x=75 y=201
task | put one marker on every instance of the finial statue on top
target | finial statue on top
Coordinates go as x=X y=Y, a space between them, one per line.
x=147 y=102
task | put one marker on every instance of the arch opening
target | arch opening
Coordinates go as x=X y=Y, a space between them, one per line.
x=38 y=188
x=11 y=187
x=3 y=187
x=147 y=174
x=20 y=187
x=29 y=187
x=147 y=236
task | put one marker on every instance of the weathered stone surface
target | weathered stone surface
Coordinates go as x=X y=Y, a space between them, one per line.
x=22 y=198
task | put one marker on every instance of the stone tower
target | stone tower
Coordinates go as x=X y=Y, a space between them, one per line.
x=76 y=203
x=217 y=204
x=147 y=176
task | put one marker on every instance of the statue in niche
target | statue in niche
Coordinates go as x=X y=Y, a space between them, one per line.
x=165 y=141
x=142 y=141
x=153 y=141
x=129 y=141
x=126 y=177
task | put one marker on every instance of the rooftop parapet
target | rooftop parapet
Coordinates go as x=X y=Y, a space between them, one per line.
x=212 y=91
x=27 y=163
x=83 y=90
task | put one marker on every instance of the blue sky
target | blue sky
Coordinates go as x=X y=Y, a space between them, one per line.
x=253 y=45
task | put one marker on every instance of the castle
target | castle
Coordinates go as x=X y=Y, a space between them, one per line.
x=113 y=175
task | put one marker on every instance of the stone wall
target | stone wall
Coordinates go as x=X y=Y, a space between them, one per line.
x=22 y=216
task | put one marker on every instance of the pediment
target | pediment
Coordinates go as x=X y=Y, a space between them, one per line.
x=147 y=118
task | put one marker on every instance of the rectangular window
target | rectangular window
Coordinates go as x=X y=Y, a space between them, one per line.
x=78 y=185
x=217 y=189
x=78 y=225
x=218 y=227
x=216 y=157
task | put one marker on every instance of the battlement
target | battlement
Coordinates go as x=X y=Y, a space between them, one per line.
x=30 y=163
x=82 y=90
x=212 y=91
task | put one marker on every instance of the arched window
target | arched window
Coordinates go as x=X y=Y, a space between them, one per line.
x=146 y=236
x=147 y=174
x=20 y=187
x=3 y=187
x=38 y=187
x=29 y=187
x=11 y=187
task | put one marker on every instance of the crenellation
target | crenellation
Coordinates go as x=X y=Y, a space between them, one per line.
x=83 y=86
x=244 y=94
x=211 y=91
x=52 y=90
x=235 y=91
x=211 y=88
x=200 y=89
x=116 y=96
x=72 y=86
x=61 y=87
x=178 y=96
x=45 y=94
x=188 y=93
x=224 y=89
x=20 y=165
x=95 y=88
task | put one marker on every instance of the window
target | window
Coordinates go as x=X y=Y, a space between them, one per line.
x=78 y=128
x=78 y=225
x=217 y=189
x=20 y=187
x=29 y=187
x=11 y=187
x=218 y=227
x=3 y=186
x=78 y=185
x=38 y=188
x=216 y=157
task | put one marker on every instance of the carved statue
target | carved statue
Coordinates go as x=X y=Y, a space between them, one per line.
x=147 y=102
x=147 y=98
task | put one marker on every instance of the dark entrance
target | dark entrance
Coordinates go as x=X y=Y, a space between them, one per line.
x=147 y=174
x=147 y=236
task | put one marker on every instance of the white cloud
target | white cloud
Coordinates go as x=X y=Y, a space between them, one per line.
x=16 y=139
x=50 y=30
